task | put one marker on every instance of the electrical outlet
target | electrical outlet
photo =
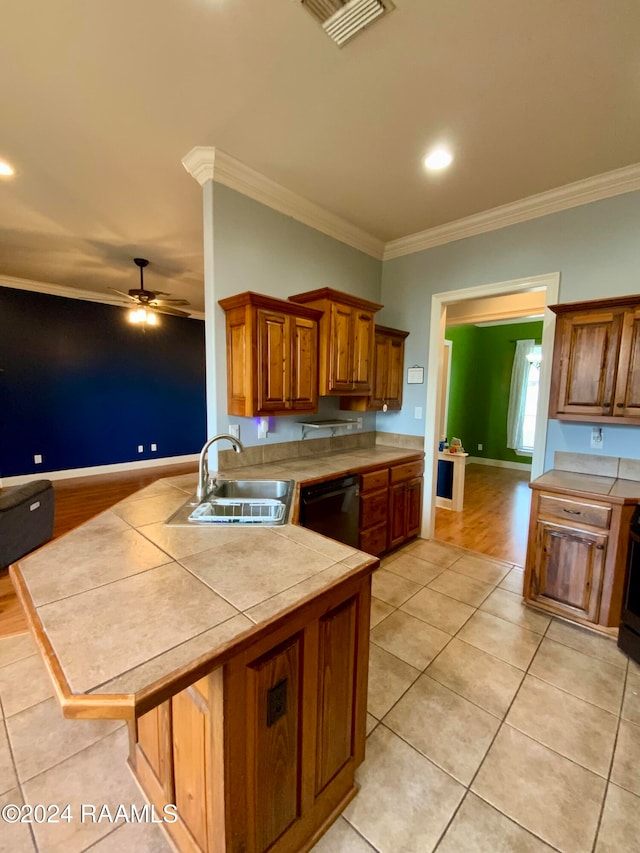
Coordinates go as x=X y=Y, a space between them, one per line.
x=597 y=438
x=37 y=459
x=417 y=413
x=141 y=448
x=263 y=428
x=481 y=447
x=234 y=430
x=154 y=447
x=360 y=423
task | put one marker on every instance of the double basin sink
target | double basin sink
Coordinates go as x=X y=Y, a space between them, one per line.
x=261 y=502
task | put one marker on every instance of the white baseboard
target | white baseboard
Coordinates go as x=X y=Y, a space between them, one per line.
x=97 y=469
x=498 y=463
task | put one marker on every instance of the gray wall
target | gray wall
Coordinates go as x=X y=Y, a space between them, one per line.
x=257 y=248
x=596 y=250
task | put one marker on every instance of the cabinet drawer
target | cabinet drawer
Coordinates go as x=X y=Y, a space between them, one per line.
x=373 y=509
x=407 y=471
x=574 y=511
x=374 y=540
x=375 y=480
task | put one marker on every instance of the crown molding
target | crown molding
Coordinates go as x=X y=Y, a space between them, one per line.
x=71 y=292
x=606 y=185
x=212 y=164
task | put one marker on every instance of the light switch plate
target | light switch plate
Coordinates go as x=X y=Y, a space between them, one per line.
x=597 y=438
x=234 y=430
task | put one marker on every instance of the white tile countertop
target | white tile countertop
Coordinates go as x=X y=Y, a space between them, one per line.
x=123 y=601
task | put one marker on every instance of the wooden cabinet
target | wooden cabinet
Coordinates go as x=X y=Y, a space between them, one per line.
x=260 y=754
x=272 y=356
x=405 y=502
x=388 y=373
x=346 y=341
x=596 y=362
x=374 y=510
x=576 y=556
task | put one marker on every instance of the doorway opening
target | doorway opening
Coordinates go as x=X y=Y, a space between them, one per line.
x=484 y=299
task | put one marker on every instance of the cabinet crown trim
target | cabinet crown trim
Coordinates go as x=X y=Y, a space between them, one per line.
x=630 y=301
x=261 y=300
x=336 y=296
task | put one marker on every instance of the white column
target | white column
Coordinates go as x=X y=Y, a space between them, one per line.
x=200 y=163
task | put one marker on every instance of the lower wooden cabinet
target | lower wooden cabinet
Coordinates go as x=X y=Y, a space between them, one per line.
x=374 y=510
x=405 y=502
x=576 y=556
x=260 y=754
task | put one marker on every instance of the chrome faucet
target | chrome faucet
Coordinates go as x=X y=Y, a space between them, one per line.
x=203 y=464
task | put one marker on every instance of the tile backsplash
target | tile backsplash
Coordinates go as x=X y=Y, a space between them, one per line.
x=602 y=466
x=277 y=452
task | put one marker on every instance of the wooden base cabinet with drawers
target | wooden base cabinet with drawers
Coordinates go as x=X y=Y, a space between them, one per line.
x=576 y=557
x=390 y=506
x=260 y=753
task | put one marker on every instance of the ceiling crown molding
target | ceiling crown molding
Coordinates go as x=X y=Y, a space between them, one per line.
x=599 y=187
x=71 y=292
x=212 y=164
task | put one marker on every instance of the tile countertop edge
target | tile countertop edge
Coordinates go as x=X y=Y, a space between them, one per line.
x=127 y=705
x=592 y=486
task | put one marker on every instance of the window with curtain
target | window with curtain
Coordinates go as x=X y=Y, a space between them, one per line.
x=523 y=397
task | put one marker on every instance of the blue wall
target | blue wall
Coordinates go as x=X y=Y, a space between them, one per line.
x=82 y=387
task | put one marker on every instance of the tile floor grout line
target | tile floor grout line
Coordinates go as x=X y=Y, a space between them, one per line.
x=612 y=760
x=15 y=773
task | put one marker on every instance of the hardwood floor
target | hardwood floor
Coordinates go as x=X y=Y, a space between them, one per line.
x=78 y=500
x=495 y=518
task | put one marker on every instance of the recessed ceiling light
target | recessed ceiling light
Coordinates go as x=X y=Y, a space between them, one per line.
x=5 y=169
x=439 y=158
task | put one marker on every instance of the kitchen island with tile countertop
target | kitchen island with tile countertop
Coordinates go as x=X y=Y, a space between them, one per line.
x=230 y=652
x=581 y=512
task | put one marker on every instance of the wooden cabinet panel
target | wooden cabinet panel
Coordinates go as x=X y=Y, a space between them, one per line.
x=272 y=356
x=570 y=569
x=275 y=688
x=405 y=503
x=571 y=511
x=414 y=507
x=596 y=361
x=374 y=480
x=374 y=540
x=273 y=361
x=346 y=341
x=190 y=722
x=373 y=508
x=406 y=471
x=336 y=670
x=397 y=515
x=627 y=398
x=387 y=374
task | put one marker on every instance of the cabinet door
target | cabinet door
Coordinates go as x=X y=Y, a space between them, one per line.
x=274 y=366
x=568 y=570
x=627 y=399
x=340 y=347
x=414 y=507
x=363 y=335
x=304 y=377
x=397 y=514
x=395 y=374
x=380 y=383
x=585 y=369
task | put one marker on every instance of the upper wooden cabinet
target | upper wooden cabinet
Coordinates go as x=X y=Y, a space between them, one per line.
x=272 y=356
x=346 y=341
x=388 y=370
x=596 y=361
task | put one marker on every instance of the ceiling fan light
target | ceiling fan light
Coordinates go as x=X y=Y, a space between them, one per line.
x=152 y=318
x=133 y=316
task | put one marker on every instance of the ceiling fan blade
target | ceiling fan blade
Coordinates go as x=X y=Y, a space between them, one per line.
x=173 y=311
x=126 y=295
x=170 y=302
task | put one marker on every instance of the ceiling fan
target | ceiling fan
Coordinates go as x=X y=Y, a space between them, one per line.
x=147 y=302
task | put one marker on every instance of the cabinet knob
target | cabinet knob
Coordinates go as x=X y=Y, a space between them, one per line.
x=619 y=405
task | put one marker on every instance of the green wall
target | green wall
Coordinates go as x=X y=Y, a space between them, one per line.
x=481 y=361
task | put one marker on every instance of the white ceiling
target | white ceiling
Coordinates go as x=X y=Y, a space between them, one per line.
x=99 y=102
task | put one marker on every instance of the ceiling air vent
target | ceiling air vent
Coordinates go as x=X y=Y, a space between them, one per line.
x=344 y=19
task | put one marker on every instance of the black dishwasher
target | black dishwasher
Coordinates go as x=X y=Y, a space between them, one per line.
x=332 y=509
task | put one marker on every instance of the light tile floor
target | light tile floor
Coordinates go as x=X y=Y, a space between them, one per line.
x=492 y=729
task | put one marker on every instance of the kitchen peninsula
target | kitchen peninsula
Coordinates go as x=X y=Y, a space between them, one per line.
x=237 y=656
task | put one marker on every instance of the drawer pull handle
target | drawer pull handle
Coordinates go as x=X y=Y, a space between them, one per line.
x=573 y=511
x=620 y=405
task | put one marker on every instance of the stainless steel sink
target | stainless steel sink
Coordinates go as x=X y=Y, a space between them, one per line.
x=261 y=502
